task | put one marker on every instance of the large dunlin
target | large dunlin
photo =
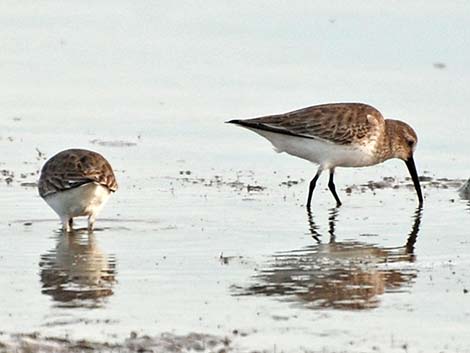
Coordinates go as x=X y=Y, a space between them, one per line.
x=75 y=183
x=338 y=135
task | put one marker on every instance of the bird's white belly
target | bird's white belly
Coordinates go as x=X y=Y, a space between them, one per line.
x=326 y=154
x=84 y=200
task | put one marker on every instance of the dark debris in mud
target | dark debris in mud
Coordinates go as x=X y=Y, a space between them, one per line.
x=225 y=260
x=7 y=138
x=187 y=177
x=113 y=143
x=245 y=181
x=27 y=179
x=165 y=342
x=9 y=177
x=393 y=183
x=290 y=182
x=41 y=156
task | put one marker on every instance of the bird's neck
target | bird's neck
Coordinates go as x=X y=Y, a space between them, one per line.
x=385 y=141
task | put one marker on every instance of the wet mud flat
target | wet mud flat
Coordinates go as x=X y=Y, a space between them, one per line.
x=193 y=342
x=348 y=279
x=189 y=257
x=207 y=245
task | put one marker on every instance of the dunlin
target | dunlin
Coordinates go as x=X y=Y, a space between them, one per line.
x=338 y=135
x=76 y=183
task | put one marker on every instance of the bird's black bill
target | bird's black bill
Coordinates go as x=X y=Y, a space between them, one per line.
x=410 y=163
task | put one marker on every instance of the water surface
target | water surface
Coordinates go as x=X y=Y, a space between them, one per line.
x=207 y=237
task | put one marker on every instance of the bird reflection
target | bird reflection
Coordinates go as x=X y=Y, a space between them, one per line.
x=464 y=192
x=348 y=275
x=76 y=273
x=313 y=227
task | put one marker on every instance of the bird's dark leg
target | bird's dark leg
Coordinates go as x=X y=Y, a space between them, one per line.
x=313 y=182
x=332 y=187
x=91 y=222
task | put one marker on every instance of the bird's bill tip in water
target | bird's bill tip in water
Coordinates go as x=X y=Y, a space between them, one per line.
x=410 y=163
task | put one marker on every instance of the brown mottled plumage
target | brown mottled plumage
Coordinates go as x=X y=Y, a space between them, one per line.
x=74 y=167
x=338 y=135
x=75 y=183
x=340 y=123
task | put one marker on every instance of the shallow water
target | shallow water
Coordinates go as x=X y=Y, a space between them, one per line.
x=348 y=274
x=208 y=233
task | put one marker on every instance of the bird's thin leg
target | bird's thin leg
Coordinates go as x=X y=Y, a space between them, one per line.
x=66 y=224
x=313 y=182
x=331 y=186
x=91 y=222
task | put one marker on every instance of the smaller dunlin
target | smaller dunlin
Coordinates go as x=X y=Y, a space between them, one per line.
x=75 y=183
x=338 y=135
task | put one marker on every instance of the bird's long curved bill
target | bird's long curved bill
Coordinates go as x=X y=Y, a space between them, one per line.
x=410 y=163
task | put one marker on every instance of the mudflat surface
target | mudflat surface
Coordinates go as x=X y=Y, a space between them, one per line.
x=207 y=245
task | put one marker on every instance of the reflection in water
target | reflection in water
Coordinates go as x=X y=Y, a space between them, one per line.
x=313 y=227
x=77 y=273
x=464 y=192
x=341 y=275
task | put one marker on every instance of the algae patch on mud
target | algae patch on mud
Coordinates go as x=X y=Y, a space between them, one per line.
x=165 y=342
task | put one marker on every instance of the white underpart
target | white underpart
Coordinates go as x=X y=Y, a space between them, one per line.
x=85 y=200
x=327 y=154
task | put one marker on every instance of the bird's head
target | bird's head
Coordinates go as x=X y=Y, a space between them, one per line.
x=403 y=141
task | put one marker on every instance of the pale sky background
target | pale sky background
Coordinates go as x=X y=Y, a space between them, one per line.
x=171 y=68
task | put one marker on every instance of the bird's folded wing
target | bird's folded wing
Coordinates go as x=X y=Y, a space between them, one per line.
x=342 y=123
x=73 y=171
x=57 y=183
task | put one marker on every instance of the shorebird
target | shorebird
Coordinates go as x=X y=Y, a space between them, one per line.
x=75 y=183
x=338 y=135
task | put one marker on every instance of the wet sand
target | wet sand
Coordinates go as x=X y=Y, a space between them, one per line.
x=34 y=343
x=242 y=263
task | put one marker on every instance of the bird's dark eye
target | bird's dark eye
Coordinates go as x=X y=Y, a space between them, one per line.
x=410 y=143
